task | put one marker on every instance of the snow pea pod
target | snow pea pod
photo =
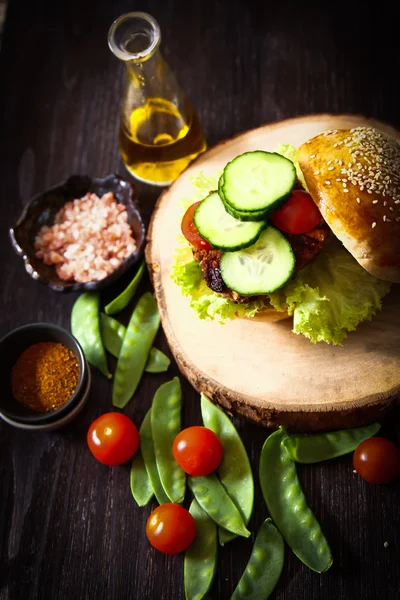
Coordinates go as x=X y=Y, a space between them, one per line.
x=113 y=333
x=139 y=337
x=214 y=500
x=265 y=565
x=85 y=326
x=324 y=446
x=141 y=487
x=200 y=561
x=158 y=362
x=287 y=505
x=165 y=425
x=234 y=471
x=149 y=458
x=122 y=301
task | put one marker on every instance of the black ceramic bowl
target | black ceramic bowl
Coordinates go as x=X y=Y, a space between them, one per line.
x=42 y=209
x=11 y=347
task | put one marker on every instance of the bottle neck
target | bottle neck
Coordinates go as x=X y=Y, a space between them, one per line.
x=153 y=78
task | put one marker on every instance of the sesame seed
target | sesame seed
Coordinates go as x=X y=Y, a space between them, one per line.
x=373 y=225
x=358 y=200
x=328 y=182
x=316 y=172
x=330 y=168
x=374 y=164
x=329 y=162
x=346 y=191
x=312 y=155
x=388 y=220
x=384 y=217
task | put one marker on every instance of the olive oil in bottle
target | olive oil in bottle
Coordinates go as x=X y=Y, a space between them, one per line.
x=160 y=132
x=159 y=143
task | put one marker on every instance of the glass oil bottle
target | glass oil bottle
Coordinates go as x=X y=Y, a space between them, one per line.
x=160 y=132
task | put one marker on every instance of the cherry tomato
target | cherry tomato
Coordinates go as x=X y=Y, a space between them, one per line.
x=197 y=450
x=113 y=438
x=170 y=528
x=189 y=229
x=377 y=460
x=299 y=214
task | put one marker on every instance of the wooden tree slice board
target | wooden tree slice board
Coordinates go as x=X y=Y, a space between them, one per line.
x=257 y=368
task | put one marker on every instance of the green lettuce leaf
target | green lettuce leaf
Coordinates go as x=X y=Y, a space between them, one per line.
x=290 y=152
x=327 y=299
x=331 y=296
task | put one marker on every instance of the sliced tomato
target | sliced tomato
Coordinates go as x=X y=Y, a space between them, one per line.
x=170 y=528
x=299 y=214
x=197 y=450
x=377 y=460
x=190 y=231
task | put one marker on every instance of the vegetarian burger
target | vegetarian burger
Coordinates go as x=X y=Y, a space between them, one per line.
x=313 y=233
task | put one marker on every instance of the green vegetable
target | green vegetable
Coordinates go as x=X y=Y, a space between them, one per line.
x=138 y=340
x=287 y=505
x=113 y=333
x=331 y=296
x=149 y=457
x=214 y=500
x=242 y=215
x=200 y=561
x=165 y=425
x=141 y=487
x=85 y=326
x=262 y=268
x=223 y=231
x=265 y=565
x=290 y=152
x=121 y=301
x=324 y=446
x=258 y=180
x=158 y=362
x=234 y=470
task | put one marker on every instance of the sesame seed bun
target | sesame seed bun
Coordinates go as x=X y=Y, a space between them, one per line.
x=354 y=178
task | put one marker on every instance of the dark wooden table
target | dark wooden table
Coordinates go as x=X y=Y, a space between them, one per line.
x=69 y=528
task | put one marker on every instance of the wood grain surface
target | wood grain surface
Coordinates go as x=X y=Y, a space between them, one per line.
x=69 y=528
x=255 y=367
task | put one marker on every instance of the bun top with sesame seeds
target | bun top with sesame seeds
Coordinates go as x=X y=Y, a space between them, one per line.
x=353 y=176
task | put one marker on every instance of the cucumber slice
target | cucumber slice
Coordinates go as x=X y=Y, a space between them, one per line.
x=255 y=215
x=220 y=229
x=261 y=269
x=258 y=180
